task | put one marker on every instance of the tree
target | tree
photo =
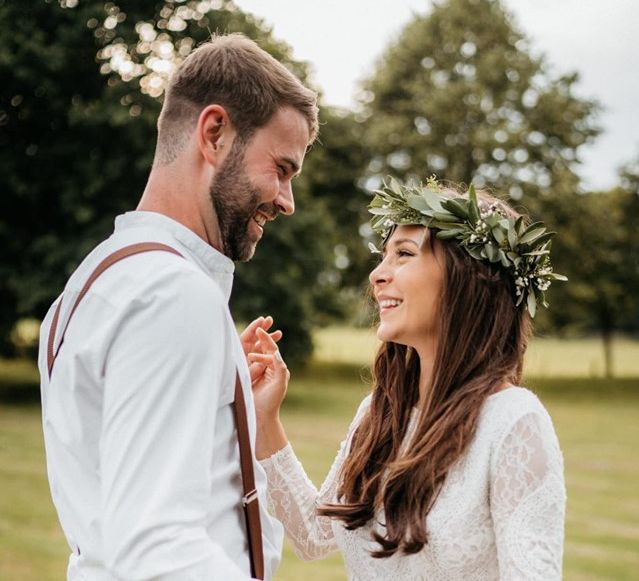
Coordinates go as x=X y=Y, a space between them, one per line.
x=333 y=170
x=80 y=89
x=597 y=249
x=460 y=96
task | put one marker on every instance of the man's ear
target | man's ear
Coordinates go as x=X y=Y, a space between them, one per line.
x=214 y=134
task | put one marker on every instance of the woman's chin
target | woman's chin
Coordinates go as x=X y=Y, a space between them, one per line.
x=386 y=335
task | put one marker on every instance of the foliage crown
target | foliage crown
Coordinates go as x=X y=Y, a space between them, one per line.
x=483 y=230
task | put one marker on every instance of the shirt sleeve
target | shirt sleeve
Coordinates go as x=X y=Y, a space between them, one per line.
x=528 y=501
x=294 y=499
x=163 y=376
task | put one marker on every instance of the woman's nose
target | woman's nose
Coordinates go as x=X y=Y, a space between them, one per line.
x=379 y=274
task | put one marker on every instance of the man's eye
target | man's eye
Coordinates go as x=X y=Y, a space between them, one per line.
x=281 y=169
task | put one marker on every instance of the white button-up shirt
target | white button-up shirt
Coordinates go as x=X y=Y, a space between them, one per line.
x=142 y=452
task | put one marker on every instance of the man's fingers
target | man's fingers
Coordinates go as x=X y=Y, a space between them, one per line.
x=276 y=335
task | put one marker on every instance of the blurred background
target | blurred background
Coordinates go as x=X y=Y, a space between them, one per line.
x=469 y=90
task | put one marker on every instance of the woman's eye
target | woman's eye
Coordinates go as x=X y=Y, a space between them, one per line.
x=402 y=253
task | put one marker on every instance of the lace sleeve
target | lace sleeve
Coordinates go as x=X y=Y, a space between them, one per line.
x=293 y=498
x=528 y=501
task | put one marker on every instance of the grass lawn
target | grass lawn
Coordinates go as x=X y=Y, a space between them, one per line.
x=547 y=357
x=597 y=421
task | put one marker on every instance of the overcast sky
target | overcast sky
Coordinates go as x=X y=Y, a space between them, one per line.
x=342 y=39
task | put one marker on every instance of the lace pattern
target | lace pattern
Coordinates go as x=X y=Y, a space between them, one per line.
x=500 y=513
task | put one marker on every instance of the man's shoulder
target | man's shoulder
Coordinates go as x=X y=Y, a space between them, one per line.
x=158 y=274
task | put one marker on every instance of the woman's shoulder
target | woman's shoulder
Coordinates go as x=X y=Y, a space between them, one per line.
x=364 y=405
x=514 y=400
x=505 y=408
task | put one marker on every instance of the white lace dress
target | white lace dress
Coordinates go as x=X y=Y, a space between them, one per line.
x=500 y=513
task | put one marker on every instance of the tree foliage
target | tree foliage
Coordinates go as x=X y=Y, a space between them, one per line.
x=597 y=249
x=459 y=95
x=80 y=90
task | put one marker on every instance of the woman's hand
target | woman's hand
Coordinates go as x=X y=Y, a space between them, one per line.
x=250 y=342
x=269 y=389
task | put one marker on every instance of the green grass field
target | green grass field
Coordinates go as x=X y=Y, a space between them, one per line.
x=548 y=357
x=597 y=421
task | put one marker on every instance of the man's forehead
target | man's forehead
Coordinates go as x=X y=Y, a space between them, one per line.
x=288 y=128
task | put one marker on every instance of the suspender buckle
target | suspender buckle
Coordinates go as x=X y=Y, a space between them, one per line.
x=250 y=497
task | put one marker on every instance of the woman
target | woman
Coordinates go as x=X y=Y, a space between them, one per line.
x=449 y=470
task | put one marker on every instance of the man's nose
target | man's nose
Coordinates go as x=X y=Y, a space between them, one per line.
x=285 y=201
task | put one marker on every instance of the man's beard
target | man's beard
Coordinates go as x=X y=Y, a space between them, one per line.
x=236 y=200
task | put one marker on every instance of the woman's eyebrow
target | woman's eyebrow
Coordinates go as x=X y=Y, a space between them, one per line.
x=404 y=240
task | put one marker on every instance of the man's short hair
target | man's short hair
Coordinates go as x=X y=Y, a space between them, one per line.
x=234 y=72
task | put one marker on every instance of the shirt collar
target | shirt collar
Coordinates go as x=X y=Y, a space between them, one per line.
x=217 y=266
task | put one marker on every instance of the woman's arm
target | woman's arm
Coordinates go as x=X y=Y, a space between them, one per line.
x=293 y=498
x=528 y=501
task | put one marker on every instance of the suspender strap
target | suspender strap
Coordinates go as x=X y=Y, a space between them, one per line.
x=109 y=261
x=250 y=501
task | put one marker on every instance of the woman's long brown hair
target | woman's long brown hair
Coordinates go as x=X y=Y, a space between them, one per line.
x=482 y=341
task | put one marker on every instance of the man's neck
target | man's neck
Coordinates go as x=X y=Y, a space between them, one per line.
x=180 y=200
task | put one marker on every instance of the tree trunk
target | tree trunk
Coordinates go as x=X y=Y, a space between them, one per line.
x=606 y=336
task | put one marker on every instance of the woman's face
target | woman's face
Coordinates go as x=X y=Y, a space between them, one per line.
x=407 y=284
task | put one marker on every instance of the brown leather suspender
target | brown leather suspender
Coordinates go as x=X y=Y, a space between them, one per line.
x=106 y=263
x=250 y=501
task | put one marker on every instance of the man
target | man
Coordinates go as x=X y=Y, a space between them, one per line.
x=141 y=442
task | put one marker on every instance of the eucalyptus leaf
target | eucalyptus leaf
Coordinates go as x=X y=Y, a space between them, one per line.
x=536 y=253
x=417 y=202
x=533 y=226
x=432 y=199
x=456 y=207
x=472 y=194
x=499 y=235
x=396 y=187
x=531 y=235
x=503 y=258
x=473 y=213
x=381 y=211
x=445 y=217
x=441 y=225
x=448 y=234
x=492 y=220
x=544 y=238
x=491 y=252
